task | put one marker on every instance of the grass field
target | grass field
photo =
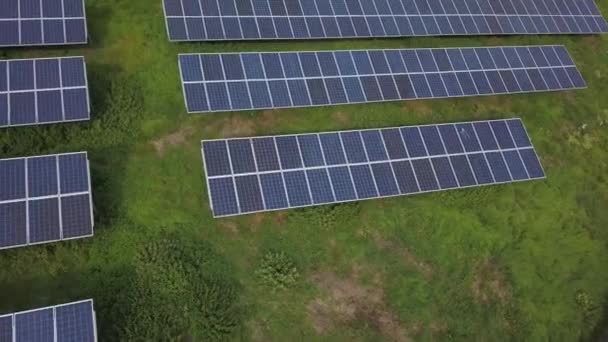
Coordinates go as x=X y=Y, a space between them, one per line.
x=516 y=262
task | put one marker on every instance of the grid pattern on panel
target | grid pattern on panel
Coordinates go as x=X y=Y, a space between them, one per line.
x=257 y=174
x=43 y=91
x=45 y=22
x=45 y=199
x=233 y=82
x=202 y=20
x=72 y=322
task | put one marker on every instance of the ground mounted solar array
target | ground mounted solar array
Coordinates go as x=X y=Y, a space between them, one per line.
x=42 y=22
x=256 y=174
x=200 y=20
x=231 y=82
x=72 y=322
x=42 y=91
x=45 y=199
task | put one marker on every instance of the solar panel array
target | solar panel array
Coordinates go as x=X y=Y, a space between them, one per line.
x=73 y=322
x=201 y=20
x=270 y=173
x=232 y=82
x=42 y=91
x=42 y=22
x=45 y=199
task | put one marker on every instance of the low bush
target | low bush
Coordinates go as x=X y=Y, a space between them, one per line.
x=180 y=290
x=277 y=270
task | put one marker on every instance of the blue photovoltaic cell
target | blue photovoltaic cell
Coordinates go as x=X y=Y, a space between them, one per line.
x=43 y=91
x=320 y=168
x=48 y=22
x=305 y=19
x=224 y=82
x=35 y=326
x=6 y=328
x=72 y=322
x=44 y=199
x=75 y=322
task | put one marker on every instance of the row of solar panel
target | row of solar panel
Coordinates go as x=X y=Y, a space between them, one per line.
x=222 y=82
x=248 y=28
x=48 y=22
x=374 y=7
x=270 y=173
x=44 y=199
x=271 y=65
x=72 y=322
x=46 y=90
x=260 y=19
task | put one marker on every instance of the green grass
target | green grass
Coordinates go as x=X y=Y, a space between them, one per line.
x=544 y=243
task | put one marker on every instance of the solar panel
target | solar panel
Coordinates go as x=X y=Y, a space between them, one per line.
x=204 y=20
x=233 y=82
x=43 y=91
x=248 y=175
x=45 y=22
x=45 y=199
x=73 y=322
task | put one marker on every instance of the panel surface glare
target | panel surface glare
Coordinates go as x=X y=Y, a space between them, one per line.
x=45 y=199
x=207 y=20
x=247 y=175
x=246 y=81
x=43 y=91
x=44 y=22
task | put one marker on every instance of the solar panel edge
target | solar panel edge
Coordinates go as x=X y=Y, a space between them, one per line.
x=180 y=41
x=232 y=176
x=421 y=192
x=364 y=129
x=206 y=173
x=385 y=101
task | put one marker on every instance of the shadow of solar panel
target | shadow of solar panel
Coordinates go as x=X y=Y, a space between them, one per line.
x=204 y=20
x=232 y=82
x=44 y=199
x=43 y=91
x=281 y=172
x=49 y=22
x=72 y=322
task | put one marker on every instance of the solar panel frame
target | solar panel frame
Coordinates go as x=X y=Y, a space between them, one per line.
x=93 y=320
x=60 y=196
x=64 y=19
x=399 y=21
x=384 y=190
x=65 y=92
x=422 y=71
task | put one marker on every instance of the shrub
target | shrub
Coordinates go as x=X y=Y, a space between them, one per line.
x=180 y=290
x=326 y=217
x=277 y=270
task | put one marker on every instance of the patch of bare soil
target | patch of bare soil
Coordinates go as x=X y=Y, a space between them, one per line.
x=256 y=220
x=280 y=217
x=230 y=226
x=421 y=108
x=489 y=283
x=407 y=256
x=271 y=118
x=346 y=302
x=342 y=119
x=237 y=127
x=594 y=42
x=174 y=139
